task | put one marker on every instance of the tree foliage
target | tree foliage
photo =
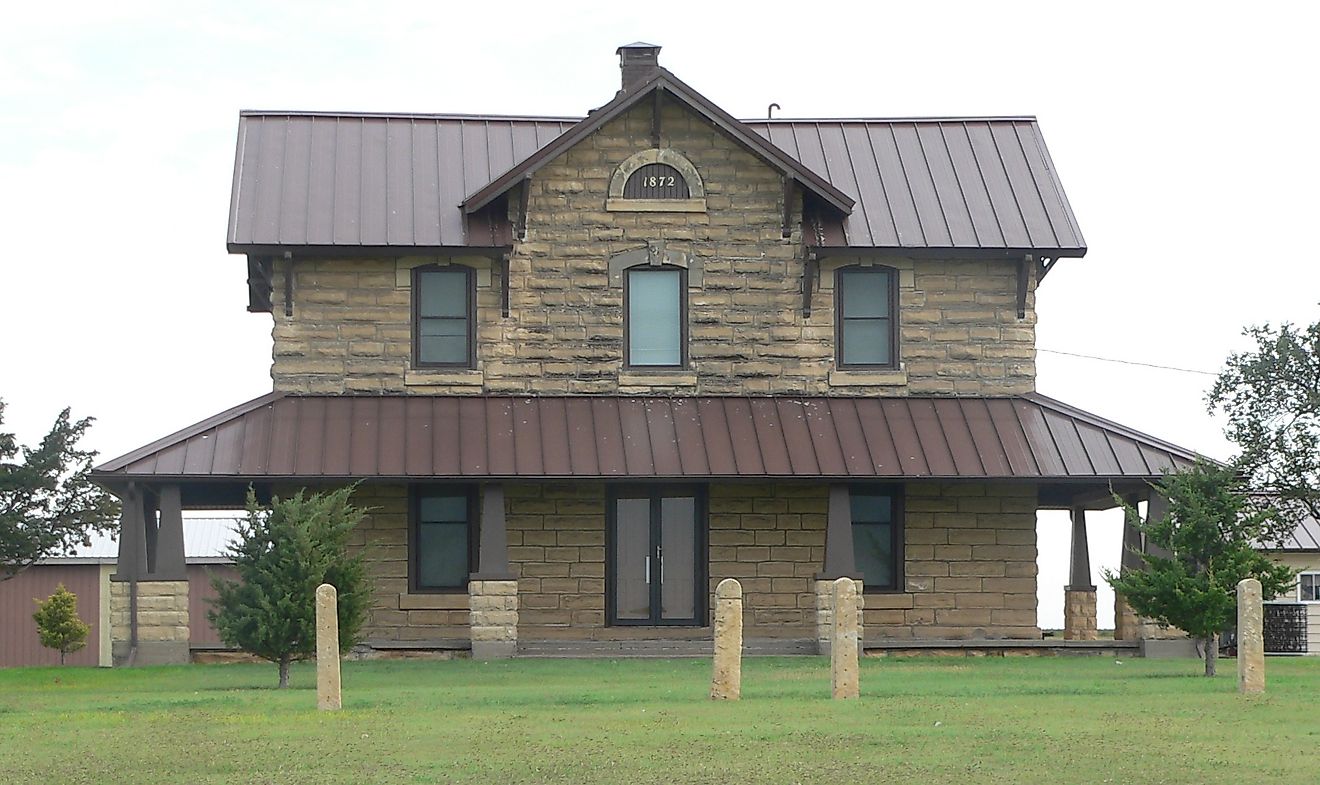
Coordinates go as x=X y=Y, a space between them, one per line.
x=282 y=555
x=1206 y=541
x=48 y=504
x=58 y=624
x=1271 y=396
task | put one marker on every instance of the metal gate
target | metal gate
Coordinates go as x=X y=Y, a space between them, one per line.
x=1285 y=628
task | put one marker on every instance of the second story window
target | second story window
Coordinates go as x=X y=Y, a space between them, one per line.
x=443 y=299
x=865 y=303
x=655 y=317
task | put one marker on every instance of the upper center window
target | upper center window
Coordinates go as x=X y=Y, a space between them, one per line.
x=865 y=299
x=654 y=303
x=442 y=316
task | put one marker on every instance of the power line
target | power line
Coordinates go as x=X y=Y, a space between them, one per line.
x=1128 y=362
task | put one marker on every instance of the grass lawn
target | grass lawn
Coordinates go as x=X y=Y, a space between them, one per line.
x=925 y=720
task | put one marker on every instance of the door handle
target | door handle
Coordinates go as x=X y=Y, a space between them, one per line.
x=648 y=570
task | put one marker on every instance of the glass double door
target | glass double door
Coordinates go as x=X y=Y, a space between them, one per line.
x=656 y=552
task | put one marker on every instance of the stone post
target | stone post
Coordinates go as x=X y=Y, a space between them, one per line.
x=726 y=680
x=493 y=618
x=1079 y=608
x=844 y=646
x=1251 y=638
x=328 y=697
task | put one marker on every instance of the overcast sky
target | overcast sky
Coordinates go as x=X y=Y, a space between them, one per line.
x=1184 y=135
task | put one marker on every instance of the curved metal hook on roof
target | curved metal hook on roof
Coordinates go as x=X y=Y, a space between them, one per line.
x=770 y=111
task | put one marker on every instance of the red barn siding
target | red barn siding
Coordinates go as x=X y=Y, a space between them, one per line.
x=18 y=632
x=199 y=591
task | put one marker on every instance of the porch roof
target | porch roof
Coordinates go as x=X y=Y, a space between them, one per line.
x=332 y=437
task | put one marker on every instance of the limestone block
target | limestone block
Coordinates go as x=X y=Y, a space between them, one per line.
x=1251 y=638
x=1079 y=615
x=726 y=680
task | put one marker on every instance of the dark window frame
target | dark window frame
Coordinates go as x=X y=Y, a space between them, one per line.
x=897 y=534
x=701 y=570
x=416 y=315
x=415 y=496
x=683 y=329
x=840 y=350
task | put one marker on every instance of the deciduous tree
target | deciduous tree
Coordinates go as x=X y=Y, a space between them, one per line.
x=1271 y=396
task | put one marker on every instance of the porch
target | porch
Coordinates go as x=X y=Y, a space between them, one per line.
x=548 y=526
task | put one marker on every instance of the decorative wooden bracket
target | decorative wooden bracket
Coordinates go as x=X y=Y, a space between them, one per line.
x=520 y=224
x=261 y=283
x=1024 y=269
x=1043 y=267
x=790 y=189
x=810 y=272
x=504 y=284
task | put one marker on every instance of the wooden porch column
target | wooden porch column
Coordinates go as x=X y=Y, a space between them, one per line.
x=840 y=562
x=493 y=546
x=1079 y=612
x=169 y=563
x=1125 y=620
x=132 y=562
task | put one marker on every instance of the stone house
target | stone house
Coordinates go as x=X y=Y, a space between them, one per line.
x=585 y=368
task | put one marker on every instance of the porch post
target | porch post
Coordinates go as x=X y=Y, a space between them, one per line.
x=1156 y=507
x=493 y=588
x=1125 y=620
x=840 y=562
x=170 y=564
x=132 y=562
x=149 y=609
x=1079 y=612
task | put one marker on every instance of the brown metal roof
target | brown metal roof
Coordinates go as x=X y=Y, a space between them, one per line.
x=309 y=436
x=376 y=180
x=981 y=184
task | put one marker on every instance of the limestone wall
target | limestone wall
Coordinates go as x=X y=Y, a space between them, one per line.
x=350 y=332
x=970 y=563
x=162 y=623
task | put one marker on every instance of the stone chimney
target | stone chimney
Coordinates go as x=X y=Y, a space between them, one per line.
x=639 y=62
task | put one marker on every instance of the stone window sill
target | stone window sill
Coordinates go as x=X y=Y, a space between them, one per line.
x=434 y=602
x=459 y=377
x=656 y=205
x=868 y=378
x=666 y=378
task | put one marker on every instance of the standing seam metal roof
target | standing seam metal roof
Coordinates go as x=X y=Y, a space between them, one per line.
x=397 y=181
x=320 y=436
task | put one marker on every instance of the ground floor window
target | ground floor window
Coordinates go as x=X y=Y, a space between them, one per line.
x=877 y=523
x=442 y=550
x=1308 y=587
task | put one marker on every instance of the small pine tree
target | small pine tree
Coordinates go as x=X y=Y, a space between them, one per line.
x=283 y=553
x=1209 y=533
x=58 y=624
